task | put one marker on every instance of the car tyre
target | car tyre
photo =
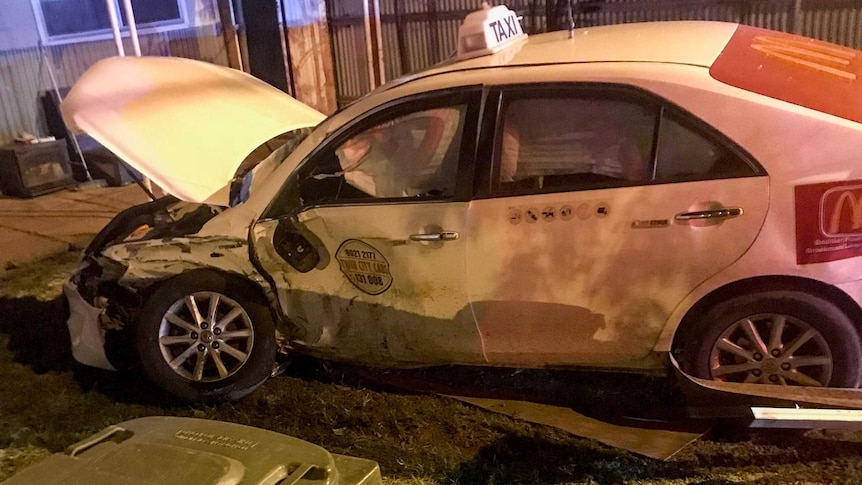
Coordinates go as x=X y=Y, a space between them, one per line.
x=222 y=354
x=776 y=337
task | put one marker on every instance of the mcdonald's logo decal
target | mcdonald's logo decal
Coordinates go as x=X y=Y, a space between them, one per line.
x=830 y=59
x=806 y=72
x=828 y=221
x=841 y=211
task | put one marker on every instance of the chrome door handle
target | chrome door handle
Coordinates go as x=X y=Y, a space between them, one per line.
x=437 y=236
x=726 y=213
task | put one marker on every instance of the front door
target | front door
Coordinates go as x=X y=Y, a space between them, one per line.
x=604 y=210
x=381 y=209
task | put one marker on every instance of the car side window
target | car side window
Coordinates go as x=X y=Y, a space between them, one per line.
x=566 y=143
x=410 y=155
x=685 y=153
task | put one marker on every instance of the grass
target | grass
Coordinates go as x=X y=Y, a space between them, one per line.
x=42 y=279
x=48 y=403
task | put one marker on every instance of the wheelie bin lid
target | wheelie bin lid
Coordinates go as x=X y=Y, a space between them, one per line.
x=163 y=450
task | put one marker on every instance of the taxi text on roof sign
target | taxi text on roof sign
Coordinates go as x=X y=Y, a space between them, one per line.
x=488 y=31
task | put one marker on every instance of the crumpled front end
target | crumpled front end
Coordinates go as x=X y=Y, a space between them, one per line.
x=88 y=340
x=141 y=247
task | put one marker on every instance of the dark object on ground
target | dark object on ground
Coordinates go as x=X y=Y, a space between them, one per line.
x=101 y=162
x=28 y=170
x=37 y=331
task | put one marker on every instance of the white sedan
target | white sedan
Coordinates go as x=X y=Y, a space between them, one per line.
x=600 y=198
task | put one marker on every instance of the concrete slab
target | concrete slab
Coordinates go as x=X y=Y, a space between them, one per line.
x=62 y=221
x=17 y=248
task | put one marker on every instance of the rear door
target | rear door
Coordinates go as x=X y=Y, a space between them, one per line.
x=603 y=208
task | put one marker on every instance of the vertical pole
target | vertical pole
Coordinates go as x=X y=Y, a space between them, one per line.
x=136 y=48
x=230 y=34
x=373 y=52
x=284 y=29
x=797 y=17
x=115 y=27
x=242 y=34
x=403 y=53
x=261 y=22
x=378 y=39
x=369 y=51
x=133 y=27
x=434 y=28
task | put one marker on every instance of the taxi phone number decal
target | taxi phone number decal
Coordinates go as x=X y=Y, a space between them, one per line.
x=364 y=266
x=828 y=221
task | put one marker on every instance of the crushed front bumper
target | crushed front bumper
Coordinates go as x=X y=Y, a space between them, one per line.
x=87 y=335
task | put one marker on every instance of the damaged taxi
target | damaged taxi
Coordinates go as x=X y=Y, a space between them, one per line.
x=599 y=198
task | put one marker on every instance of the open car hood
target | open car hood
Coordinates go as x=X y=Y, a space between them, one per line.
x=187 y=125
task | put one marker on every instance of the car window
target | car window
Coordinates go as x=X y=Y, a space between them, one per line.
x=687 y=154
x=549 y=144
x=411 y=155
x=602 y=139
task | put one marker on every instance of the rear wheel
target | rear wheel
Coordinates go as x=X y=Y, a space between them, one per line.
x=202 y=336
x=781 y=337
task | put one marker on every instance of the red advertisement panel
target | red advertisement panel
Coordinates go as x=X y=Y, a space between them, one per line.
x=828 y=221
x=807 y=72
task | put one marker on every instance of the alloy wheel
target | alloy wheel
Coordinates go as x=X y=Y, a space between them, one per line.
x=772 y=349
x=206 y=336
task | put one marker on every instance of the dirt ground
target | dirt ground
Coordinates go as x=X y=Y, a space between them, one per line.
x=47 y=403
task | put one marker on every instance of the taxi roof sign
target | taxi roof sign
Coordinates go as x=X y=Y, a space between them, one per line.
x=488 y=31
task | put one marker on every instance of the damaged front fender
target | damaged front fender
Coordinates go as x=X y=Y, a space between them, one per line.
x=150 y=261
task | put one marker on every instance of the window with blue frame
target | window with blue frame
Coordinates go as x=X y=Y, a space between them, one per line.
x=81 y=20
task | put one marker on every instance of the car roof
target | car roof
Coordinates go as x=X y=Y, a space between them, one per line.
x=680 y=42
x=696 y=43
x=805 y=72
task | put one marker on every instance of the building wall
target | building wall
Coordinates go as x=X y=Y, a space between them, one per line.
x=17 y=25
x=25 y=69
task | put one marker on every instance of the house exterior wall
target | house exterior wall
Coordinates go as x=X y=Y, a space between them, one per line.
x=25 y=69
x=17 y=25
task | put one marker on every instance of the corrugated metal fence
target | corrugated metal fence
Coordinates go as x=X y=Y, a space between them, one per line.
x=416 y=34
x=24 y=73
x=419 y=33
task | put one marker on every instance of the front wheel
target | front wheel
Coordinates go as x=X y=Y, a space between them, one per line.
x=780 y=337
x=202 y=336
